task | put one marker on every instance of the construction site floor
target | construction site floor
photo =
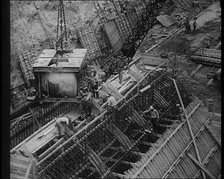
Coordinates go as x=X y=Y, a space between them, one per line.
x=182 y=45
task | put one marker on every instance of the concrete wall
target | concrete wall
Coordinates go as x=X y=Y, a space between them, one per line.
x=59 y=84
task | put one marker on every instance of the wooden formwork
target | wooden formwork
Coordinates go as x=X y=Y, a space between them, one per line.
x=26 y=60
x=89 y=41
x=124 y=26
x=212 y=53
x=176 y=157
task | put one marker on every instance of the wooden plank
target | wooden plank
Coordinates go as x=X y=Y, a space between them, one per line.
x=96 y=105
x=166 y=20
x=50 y=149
x=153 y=60
x=28 y=171
x=207 y=158
x=110 y=88
x=200 y=166
x=211 y=80
x=14 y=176
x=145 y=88
x=196 y=70
x=135 y=73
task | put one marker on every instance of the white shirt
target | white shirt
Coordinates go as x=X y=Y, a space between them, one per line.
x=111 y=101
x=62 y=119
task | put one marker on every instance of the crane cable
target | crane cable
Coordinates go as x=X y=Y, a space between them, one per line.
x=60 y=22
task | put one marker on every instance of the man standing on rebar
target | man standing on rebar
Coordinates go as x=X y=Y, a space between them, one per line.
x=154 y=117
x=86 y=102
x=195 y=23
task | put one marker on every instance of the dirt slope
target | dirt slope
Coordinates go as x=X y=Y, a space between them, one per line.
x=33 y=22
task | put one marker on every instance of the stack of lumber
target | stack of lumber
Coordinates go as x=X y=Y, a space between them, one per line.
x=207 y=56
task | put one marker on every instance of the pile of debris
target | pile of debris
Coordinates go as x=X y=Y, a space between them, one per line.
x=207 y=56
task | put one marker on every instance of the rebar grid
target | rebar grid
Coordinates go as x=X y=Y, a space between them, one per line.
x=88 y=147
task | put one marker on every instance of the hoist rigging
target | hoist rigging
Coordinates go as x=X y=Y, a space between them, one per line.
x=61 y=45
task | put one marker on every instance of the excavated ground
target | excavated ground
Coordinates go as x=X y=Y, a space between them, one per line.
x=183 y=45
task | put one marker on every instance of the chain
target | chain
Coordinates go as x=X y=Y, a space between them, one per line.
x=60 y=22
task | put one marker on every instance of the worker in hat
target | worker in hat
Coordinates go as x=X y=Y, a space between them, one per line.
x=153 y=116
x=148 y=125
x=60 y=125
x=187 y=26
x=86 y=101
x=180 y=114
x=95 y=90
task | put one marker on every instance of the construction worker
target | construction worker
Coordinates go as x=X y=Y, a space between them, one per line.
x=195 y=23
x=95 y=89
x=94 y=85
x=187 y=26
x=60 y=122
x=180 y=113
x=86 y=101
x=154 y=114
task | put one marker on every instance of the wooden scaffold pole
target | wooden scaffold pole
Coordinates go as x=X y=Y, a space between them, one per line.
x=189 y=126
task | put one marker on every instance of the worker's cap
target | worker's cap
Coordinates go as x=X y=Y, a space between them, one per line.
x=178 y=105
x=151 y=107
